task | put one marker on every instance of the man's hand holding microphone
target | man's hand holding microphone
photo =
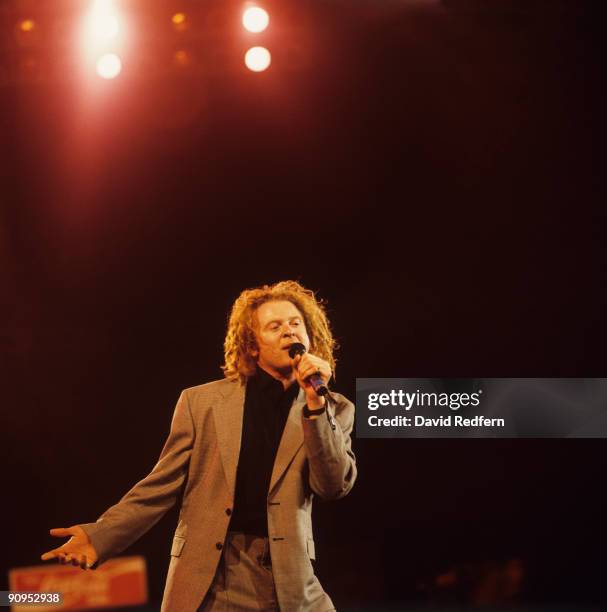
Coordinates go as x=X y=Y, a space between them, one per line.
x=313 y=375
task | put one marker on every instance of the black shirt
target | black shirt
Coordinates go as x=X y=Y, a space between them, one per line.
x=266 y=408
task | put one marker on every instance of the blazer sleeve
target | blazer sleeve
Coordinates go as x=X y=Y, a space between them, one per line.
x=328 y=448
x=147 y=502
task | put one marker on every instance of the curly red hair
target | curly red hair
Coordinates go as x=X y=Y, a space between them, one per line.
x=240 y=342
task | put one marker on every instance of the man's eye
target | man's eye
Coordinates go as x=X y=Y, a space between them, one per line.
x=296 y=323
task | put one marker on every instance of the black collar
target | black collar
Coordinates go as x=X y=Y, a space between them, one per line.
x=263 y=382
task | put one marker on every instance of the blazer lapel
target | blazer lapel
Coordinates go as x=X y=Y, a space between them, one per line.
x=228 y=423
x=291 y=441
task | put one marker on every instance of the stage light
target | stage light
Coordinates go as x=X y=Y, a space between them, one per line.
x=257 y=59
x=106 y=27
x=101 y=25
x=180 y=21
x=182 y=58
x=27 y=25
x=27 y=32
x=103 y=39
x=109 y=66
x=255 y=19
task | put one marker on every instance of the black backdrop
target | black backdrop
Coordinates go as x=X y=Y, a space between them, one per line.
x=434 y=174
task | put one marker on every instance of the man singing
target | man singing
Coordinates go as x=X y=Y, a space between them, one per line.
x=247 y=453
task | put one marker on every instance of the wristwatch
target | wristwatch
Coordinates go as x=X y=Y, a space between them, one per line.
x=313 y=413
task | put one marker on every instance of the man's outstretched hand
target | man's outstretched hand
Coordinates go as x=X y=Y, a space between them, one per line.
x=78 y=550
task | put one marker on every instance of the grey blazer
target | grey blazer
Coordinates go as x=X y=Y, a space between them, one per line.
x=199 y=460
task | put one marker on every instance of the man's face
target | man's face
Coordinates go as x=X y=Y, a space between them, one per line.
x=279 y=325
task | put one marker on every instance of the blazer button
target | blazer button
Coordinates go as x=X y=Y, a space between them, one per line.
x=219 y=546
x=228 y=511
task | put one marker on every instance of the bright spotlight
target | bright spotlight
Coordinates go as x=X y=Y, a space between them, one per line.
x=106 y=27
x=101 y=25
x=109 y=66
x=257 y=59
x=255 y=19
x=102 y=38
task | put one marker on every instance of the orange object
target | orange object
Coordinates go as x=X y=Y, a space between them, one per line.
x=27 y=25
x=118 y=582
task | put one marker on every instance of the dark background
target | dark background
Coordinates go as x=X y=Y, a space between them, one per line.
x=432 y=169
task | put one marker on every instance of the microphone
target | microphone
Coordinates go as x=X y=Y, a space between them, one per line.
x=297 y=348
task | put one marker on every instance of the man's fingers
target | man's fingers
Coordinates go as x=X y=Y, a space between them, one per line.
x=305 y=373
x=52 y=554
x=312 y=364
x=310 y=371
x=62 y=532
